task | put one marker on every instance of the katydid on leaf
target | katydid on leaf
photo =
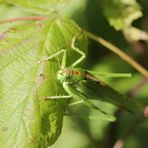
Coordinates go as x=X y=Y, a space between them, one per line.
x=82 y=86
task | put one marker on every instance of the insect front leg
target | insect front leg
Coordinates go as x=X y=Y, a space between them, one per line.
x=83 y=55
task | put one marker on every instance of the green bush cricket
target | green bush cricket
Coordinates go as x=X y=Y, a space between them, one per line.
x=82 y=86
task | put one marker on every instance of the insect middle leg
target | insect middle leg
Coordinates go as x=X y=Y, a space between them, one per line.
x=57 y=97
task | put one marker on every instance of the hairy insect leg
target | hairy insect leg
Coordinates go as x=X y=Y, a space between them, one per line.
x=91 y=105
x=57 y=97
x=54 y=55
x=103 y=115
x=83 y=55
x=91 y=117
x=108 y=74
x=87 y=103
x=76 y=102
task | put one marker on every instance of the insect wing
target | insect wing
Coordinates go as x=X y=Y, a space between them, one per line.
x=77 y=95
x=95 y=89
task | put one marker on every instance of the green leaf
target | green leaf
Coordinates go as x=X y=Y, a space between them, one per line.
x=38 y=6
x=135 y=34
x=26 y=120
x=121 y=13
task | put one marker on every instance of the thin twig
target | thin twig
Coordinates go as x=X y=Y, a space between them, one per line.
x=120 y=142
x=138 y=87
x=119 y=52
x=33 y=18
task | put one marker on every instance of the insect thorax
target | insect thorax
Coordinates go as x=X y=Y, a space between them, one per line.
x=70 y=75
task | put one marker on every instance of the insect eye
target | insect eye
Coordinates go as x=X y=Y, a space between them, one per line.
x=60 y=72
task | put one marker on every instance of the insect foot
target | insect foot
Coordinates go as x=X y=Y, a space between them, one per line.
x=44 y=98
x=40 y=61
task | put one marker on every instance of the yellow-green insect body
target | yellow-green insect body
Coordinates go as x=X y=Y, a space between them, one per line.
x=81 y=85
x=70 y=75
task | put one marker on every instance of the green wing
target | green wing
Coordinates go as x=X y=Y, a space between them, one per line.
x=77 y=95
x=98 y=90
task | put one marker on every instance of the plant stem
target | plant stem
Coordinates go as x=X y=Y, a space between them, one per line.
x=120 y=142
x=136 y=89
x=119 y=52
x=36 y=18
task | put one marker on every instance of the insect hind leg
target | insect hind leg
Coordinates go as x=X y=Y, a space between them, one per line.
x=52 y=56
